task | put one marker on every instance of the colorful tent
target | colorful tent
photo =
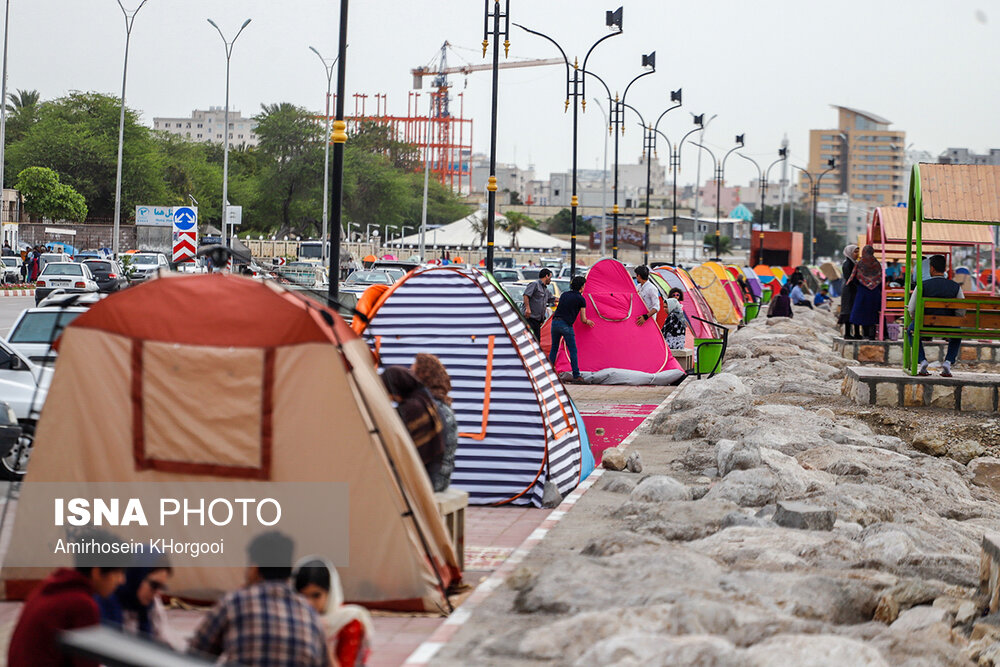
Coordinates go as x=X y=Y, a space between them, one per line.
x=616 y=340
x=764 y=273
x=212 y=379
x=517 y=430
x=732 y=287
x=694 y=303
x=713 y=288
x=753 y=281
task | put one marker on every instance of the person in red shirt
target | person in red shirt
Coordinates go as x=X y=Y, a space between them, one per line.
x=63 y=601
x=348 y=627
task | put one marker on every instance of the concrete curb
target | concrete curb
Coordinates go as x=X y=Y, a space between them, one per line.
x=17 y=292
x=447 y=630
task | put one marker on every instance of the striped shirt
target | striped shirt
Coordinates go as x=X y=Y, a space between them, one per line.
x=264 y=625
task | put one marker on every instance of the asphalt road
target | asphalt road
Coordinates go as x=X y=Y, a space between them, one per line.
x=10 y=308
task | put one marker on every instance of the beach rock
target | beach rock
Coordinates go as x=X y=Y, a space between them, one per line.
x=659 y=489
x=613 y=459
x=804 y=516
x=986 y=472
x=617 y=484
x=725 y=393
x=965 y=451
x=731 y=455
x=748 y=488
x=825 y=413
x=812 y=651
x=635 y=648
x=633 y=463
x=931 y=442
x=918 y=619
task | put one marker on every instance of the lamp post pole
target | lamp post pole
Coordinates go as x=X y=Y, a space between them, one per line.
x=129 y=22
x=573 y=90
x=618 y=120
x=763 y=177
x=326 y=154
x=225 y=151
x=339 y=138
x=718 y=190
x=604 y=183
x=491 y=207
x=676 y=96
x=675 y=163
x=812 y=222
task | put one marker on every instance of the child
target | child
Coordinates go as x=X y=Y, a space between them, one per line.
x=822 y=299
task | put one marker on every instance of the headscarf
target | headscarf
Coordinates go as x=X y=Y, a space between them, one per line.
x=417 y=409
x=338 y=614
x=126 y=596
x=849 y=252
x=429 y=370
x=868 y=269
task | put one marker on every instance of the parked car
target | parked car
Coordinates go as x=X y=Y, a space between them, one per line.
x=509 y=275
x=145 y=265
x=92 y=254
x=10 y=436
x=373 y=277
x=107 y=273
x=36 y=329
x=50 y=257
x=23 y=387
x=12 y=269
x=70 y=277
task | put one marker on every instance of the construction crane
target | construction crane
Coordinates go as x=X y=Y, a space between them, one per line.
x=441 y=72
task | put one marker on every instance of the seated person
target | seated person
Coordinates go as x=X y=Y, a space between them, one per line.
x=937 y=287
x=798 y=295
x=822 y=299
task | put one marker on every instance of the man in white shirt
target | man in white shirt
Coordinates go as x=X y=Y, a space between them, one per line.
x=648 y=293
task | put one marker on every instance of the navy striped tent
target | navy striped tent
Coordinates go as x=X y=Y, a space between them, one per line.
x=517 y=427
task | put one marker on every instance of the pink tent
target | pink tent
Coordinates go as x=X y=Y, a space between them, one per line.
x=615 y=341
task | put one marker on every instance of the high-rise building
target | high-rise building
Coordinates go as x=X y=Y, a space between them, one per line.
x=965 y=156
x=869 y=159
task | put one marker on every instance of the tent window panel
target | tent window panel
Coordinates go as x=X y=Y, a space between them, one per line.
x=204 y=410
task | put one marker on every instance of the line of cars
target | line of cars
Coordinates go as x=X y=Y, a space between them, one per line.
x=100 y=274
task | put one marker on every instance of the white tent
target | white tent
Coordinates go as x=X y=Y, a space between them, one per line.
x=462 y=234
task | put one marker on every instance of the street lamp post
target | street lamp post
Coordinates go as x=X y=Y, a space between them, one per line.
x=676 y=96
x=720 y=173
x=604 y=183
x=129 y=21
x=225 y=151
x=573 y=90
x=618 y=120
x=491 y=207
x=814 y=185
x=339 y=138
x=762 y=178
x=675 y=165
x=326 y=153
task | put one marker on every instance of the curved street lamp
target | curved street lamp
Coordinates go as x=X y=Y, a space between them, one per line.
x=762 y=179
x=575 y=92
x=814 y=185
x=225 y=151
x=325 y=259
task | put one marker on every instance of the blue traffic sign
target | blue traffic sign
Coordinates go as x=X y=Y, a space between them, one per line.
x=185 y=218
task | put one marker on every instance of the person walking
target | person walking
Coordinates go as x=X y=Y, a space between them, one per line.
x=570 y=305
x=265 y=624
x=937 y=287
x=648 y=293
x=849 y=291
x=536 y=299
x=867 y=307
x=431 y=372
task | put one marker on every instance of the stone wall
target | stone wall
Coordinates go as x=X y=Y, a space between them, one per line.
x=88 y=236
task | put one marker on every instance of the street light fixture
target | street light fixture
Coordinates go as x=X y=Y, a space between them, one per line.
x=720 y=173
x=491 y=187
x=814 y=185
x=762 y=179
x=225 y=151
x=129 y=21
x=675 y=163
x=676 y=96
x=574 y=91
x=326 y=153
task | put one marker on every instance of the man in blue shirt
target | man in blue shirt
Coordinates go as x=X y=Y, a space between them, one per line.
x=822 y=299
x=570 y=304
x=798 y=295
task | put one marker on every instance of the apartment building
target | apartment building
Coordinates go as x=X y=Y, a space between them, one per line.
x=208 y=125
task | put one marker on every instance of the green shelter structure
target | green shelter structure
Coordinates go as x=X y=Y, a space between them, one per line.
x=944 y=198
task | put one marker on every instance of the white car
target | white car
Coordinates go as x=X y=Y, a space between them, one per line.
x=70 y=277
x=24 y=387
x=37 y=328
x=50 y=257
x=12 y=268
x=145 y=265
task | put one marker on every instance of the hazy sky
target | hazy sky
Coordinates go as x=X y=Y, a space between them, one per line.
x=766 y=68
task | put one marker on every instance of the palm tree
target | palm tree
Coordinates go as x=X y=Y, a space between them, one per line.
x=23 y=99
x=516 y=222
x=478 y=225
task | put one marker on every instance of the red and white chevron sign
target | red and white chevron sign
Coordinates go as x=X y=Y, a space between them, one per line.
x=185 y=246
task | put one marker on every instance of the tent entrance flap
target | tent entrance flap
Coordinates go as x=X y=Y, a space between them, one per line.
x=487 y=386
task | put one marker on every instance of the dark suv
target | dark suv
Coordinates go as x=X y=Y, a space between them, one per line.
x=107 y=274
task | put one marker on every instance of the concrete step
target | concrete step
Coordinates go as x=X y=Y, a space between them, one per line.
x=965 y=392
x=891 y=351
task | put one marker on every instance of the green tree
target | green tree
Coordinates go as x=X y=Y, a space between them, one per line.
x=22 y=112
x=725 y=243
x=562 y=223
x=516 y=222
x=291 y=145
x=77 y=137
x=45 y=197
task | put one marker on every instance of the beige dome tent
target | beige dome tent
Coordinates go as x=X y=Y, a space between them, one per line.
x=213 y=378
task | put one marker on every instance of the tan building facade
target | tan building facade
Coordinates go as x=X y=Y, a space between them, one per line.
x=871 y=152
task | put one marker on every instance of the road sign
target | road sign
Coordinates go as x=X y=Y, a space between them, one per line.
x=185 y=222
x=234 y=215
x=154 y=216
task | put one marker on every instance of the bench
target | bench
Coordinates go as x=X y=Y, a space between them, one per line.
x=981 y=321
x=451 y=506
x=685 y=358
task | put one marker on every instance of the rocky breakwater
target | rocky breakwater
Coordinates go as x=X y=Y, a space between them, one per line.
x=761 y=532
